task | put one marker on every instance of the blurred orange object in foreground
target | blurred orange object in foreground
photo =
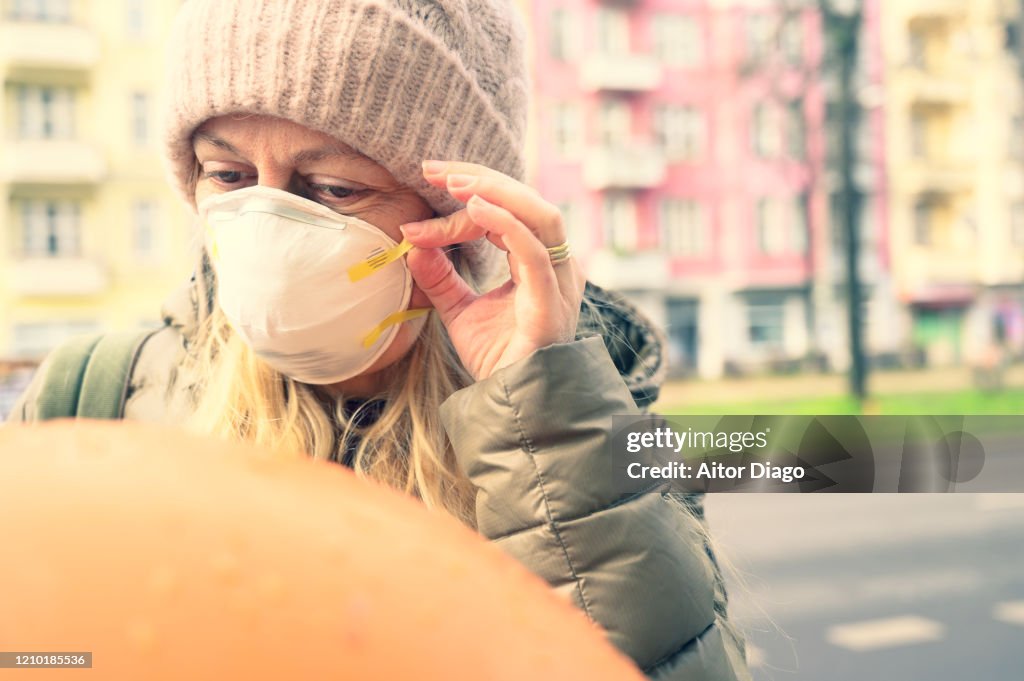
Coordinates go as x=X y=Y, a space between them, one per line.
x=174 y=557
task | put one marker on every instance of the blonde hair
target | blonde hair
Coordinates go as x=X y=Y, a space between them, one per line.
x=240 y=397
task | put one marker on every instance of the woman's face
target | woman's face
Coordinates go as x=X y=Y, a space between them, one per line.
x=237 y=151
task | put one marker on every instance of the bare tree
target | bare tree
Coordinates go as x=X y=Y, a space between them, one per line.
x=842 y=26
x=842 y=22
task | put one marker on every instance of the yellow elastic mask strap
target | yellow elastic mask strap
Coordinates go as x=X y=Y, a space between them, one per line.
x=212 y=237
x=378 y=259
x=396 y=318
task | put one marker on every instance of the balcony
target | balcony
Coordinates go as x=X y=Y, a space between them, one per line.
x=620 y=73
x=51 y=162
x=938 y=88
x=30 y=45
x=58 y=277
x=638 y=271
x=637 y=166
x=939 y=177
x=931 y=9
x=925 y=268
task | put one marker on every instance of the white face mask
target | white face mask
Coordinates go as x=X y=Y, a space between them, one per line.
x=317 y=295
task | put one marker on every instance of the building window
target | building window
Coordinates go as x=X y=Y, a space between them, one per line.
x=680 y=132
x=866 y=207
x=771 y=228
x=759 y=33
x=567 y=128
x=765 y=324
x=799 y=210
x=140 y=118
x=1017 y=137
x=612 y=31
x=796 y=129
x=832 y=138
x=677 y=40
x=765 y=131
x=52 y=11
x=45 y=112
x=917 y=46
x=683 y=335
x=924 y=219
x=866 y=222
x=50 y=229
x=576 y=228
x=918 y=134
x=564 y=35
x=620 y=222
x=1017 y=223
x=145 y=235
x=683 y=229
x=791 y=39
x=835 y=220
x=135 y=18
x=614 y=122
x=862 y=149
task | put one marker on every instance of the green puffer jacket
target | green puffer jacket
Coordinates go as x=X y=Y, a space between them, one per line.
x=533 y=439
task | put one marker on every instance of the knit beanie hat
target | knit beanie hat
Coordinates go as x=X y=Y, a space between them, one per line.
x=399 y=81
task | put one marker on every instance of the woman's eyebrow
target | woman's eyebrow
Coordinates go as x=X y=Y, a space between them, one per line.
x=215 y=141
x=305 y=156
x=309 y=155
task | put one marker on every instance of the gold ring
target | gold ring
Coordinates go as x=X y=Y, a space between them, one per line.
x=559 y=253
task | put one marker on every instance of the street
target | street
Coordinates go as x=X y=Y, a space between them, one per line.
x=884 y=587
x=699 y=393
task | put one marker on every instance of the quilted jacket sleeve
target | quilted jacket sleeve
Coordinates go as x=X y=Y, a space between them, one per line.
x=534 y=438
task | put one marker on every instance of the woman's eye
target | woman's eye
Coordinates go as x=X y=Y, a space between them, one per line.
x=225 y=176
x=332 y=191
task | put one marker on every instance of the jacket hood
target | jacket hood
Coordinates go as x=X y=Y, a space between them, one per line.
x=636 y=346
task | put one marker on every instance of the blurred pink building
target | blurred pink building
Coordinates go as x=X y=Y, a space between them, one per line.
x=684 y=141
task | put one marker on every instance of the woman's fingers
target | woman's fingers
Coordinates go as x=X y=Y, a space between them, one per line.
x=436 y=276
x=443 y=231
x=465 y=180
x=512 y=215
x=533 y=266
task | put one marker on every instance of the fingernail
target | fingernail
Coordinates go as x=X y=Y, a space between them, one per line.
x=461 y=181
x=476 y=201
x=413 y=229
x=434 y=167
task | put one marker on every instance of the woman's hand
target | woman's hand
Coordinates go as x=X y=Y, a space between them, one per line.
x=538 y=307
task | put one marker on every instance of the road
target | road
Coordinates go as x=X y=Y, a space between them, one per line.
x=884 y=587
x=698 y=393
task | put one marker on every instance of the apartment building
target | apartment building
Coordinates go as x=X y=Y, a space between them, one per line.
x=91 y=237
x=684 y=141
x=955 y=157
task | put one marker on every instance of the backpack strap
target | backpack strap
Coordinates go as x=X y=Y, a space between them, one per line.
x=89 y=376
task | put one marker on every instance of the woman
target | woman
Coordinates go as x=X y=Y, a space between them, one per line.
x=312 y=137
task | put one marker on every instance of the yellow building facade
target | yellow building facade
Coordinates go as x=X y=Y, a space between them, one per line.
x=955 y=154
x=91 y=236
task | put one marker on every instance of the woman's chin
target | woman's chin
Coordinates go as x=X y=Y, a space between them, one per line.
x=371 y=381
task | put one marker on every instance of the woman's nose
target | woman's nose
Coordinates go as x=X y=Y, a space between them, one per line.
x=288 y=181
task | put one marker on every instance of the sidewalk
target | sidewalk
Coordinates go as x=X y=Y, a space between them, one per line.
x=727 y=390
